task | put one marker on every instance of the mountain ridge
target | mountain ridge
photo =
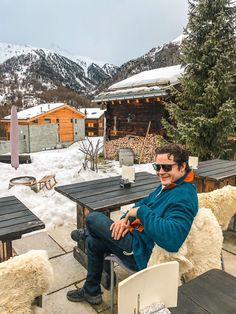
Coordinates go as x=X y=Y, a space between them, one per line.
x=31 y=75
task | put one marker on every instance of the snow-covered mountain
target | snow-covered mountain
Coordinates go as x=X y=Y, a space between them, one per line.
x=30 y=70
x=26 y=73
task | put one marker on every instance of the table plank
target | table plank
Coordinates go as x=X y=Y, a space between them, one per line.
x=7 y=209
x=208 y=172
x=117 y=201
x=16 y=231
x=116 y=193
x=212 y=162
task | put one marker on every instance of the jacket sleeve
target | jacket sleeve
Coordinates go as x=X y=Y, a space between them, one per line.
x=170 y=230
x=143 y=201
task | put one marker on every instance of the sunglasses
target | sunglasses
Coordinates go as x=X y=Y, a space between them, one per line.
x=165 y=167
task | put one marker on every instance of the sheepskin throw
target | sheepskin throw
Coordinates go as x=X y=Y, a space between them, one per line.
x=222 y=202
x=201 y=250
x=22 y=278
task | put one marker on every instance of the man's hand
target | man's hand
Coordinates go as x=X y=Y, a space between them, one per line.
x=131 y=213
x=119 y=228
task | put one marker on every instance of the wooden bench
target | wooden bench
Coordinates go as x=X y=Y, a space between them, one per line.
x=48 y=181
x=23 y=159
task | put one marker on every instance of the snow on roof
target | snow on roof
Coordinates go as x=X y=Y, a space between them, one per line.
x=92 y=113
x=130 y=93
x=160 y=76
x=35 y=111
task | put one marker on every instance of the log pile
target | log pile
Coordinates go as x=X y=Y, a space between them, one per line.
x=135 y=143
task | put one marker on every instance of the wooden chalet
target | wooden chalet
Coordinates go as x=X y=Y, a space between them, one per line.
x=135 y=105
x=66 y=117
x=94 y=121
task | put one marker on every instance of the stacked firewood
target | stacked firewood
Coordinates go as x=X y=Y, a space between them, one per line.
x=139 y=145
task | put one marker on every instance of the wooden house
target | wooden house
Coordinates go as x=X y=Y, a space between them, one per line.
x=94 y=121
x=68 y=119
x=135 y=104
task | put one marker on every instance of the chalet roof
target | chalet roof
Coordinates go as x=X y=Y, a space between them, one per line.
x=41 y=109
x=146 y=84
x=92 y=113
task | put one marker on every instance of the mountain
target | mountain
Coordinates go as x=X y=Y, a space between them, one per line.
x=31 y=75
x=29 y=72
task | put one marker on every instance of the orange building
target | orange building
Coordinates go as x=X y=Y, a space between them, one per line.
x=70 y=122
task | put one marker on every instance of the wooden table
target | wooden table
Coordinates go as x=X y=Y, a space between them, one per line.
x=213 y=292
x=105 y=195
x=214 y=174
x=15 y=219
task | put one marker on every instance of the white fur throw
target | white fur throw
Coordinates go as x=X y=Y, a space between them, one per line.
x=201 y=250
x=222 y=202
x=22 y=278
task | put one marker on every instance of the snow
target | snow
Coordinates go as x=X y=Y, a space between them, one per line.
x=35 y=111
x=178 y=40
x=92 y=113
x=8 y=51
x=51 y=207
x=160 y=76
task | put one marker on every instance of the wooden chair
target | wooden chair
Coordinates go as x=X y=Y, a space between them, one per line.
x=156 y=284
x=146 y=276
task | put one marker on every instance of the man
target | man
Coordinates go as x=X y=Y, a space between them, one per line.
x=164 y=217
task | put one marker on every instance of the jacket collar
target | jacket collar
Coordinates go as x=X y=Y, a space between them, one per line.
x=187 y=177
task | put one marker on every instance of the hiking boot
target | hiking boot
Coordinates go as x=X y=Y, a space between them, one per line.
x=78 y=234
x=79 y=295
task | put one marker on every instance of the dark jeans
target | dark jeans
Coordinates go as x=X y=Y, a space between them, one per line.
x=99 y=242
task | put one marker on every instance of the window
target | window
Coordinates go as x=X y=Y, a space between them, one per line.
x=71 y=120
x=75 y=121
x=57 y=120
x=90 y=133
x=47 y=120
x=100 y=125
x=90 y=124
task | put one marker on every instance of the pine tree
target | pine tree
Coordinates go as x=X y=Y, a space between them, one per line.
x=204 y=115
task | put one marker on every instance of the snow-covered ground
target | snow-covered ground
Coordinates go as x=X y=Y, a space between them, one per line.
x=50 y=206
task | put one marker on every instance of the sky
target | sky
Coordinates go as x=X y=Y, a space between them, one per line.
x=113 y=31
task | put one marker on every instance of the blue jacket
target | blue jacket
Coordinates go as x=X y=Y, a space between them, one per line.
x=166 y=215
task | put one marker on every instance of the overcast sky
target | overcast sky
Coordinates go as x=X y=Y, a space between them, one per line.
x=114 y=31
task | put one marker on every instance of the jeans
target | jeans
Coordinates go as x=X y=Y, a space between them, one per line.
x=99 y=242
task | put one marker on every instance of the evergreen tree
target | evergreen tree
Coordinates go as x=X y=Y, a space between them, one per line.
x=205 y=114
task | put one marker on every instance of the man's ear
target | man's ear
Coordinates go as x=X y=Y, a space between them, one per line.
x=183 y=166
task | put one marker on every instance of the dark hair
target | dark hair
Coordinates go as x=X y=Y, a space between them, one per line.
x=179 y=153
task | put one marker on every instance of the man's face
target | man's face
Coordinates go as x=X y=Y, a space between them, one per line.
x=168 y=177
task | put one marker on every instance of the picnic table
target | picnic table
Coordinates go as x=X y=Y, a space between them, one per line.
x=212 y=292
x=105 y=195
x=214 y=174
x=15 y=220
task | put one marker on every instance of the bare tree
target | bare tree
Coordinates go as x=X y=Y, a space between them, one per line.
x=90 y=152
